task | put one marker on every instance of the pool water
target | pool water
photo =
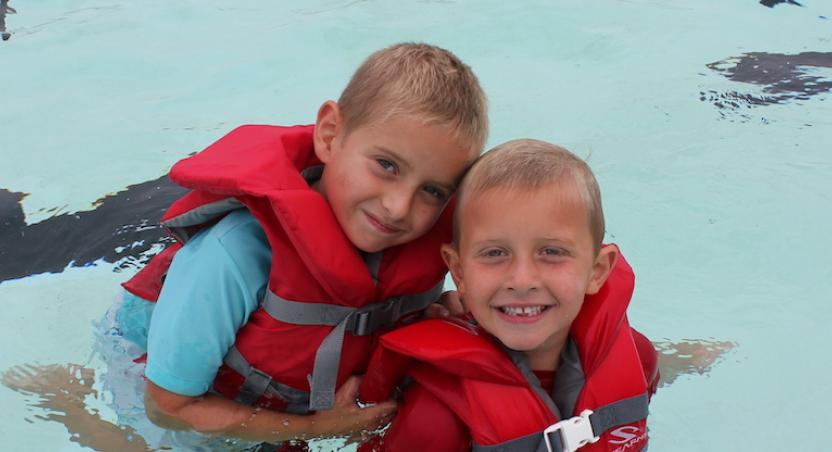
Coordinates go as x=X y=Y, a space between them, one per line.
x=705 y=122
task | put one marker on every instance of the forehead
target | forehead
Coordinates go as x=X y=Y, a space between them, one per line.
x=555 y=209
x=418 y=142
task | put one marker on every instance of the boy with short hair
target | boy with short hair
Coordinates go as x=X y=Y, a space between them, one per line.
x=552 y=363
x=300 y=244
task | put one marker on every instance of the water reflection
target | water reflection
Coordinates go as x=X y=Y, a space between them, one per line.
x=61 y=393
x=123 y=228
x=689 y=357
x=778 y=78
x=771 y=3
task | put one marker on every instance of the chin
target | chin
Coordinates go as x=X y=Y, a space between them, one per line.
x=520 y=344
x=364 y=244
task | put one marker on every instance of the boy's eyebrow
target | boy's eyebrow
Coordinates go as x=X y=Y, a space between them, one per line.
x=559 y=240
x=556 y=239
x=450 y=187
x=395 y=155
x=486 y=242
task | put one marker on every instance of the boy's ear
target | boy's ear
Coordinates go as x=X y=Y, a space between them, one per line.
x=451 y=257
x=602 y=267
x=327 y=127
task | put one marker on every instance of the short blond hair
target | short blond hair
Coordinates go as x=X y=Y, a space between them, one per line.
x=533 y=164
x=421 y=80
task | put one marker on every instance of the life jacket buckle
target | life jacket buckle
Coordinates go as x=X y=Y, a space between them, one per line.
x=574 y=433
x=361 y=327
x=369 y=319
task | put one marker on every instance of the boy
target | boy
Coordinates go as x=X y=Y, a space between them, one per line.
x=552 y=338
x=300 y=244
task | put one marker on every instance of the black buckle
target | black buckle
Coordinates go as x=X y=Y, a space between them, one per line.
x=361 y=323
x=371 y=318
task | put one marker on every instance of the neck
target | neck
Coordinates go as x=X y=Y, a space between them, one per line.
x=547 y=356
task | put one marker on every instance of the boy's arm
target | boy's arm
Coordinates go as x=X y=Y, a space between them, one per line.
x=217 y=415
x=211 y=288
x=213 y=285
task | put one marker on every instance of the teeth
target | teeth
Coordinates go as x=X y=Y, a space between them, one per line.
x=526 y=311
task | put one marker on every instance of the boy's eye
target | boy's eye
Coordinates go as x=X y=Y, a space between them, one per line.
x=436 y=192
x=387 y=165
x=493 y=252
x=551 y=251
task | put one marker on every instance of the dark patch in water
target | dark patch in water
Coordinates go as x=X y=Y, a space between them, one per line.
x=5 y=9
x=121 y=229
x=782 y=77
x=772 y=3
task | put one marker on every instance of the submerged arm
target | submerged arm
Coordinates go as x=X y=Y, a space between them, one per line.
x=217 y=415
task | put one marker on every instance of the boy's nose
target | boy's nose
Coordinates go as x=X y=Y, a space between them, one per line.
x=524 y=277
x=397 y=204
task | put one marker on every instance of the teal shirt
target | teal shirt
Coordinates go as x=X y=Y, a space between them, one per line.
x=214 y=284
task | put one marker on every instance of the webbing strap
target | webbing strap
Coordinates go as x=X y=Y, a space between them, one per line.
x=373 y=262
x=528 y=443
x=522 y=364
x=258 y=383
x=615 y=414
x=180 y=226
x=619 y=413
x=325 y=370
x=358 y=321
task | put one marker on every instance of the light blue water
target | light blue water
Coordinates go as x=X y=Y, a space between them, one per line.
x=722 y=211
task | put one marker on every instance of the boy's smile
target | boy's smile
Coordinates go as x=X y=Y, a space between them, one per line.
x=524 y=263
x=388 y=181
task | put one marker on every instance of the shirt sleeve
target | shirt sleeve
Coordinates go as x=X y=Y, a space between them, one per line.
x=424 y=423
x=213 y=285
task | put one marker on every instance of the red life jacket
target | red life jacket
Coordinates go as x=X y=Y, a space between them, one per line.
x=494 y=393
x=319 y=286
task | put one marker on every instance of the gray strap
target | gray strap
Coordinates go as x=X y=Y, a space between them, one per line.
x=569 y=379
x=609 y=416
x=622 y=412
x=373 y=262
x=603 y=419
x=528 y=443
x=358 y=321
x=300 y=313
x=179 y=226
x=325 y=370
x=523 y=365
x=258 y=383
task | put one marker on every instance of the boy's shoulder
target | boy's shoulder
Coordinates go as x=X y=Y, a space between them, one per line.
x=237 y=226
x=238 y=236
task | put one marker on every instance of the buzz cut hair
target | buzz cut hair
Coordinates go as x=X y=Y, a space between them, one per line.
x=422 y=80
x=533 y=164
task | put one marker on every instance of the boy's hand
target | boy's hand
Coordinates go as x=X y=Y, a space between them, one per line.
x=448 y=304
x=346 y=418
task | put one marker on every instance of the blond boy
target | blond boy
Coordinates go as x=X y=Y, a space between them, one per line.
x=532 y=273
x=393 y=149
